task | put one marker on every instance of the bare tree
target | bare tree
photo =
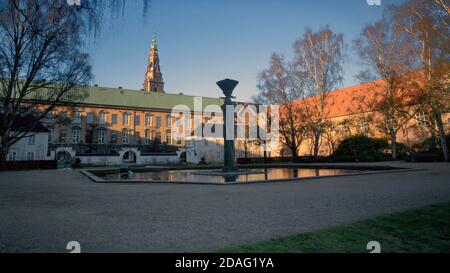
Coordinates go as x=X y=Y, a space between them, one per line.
x=292 y=127
x=41 y=61
x=41 y=58
x=335 y=132
x=389 y=56
x=94 y=12
x=444 y=5
x=278 y=85
x=319 y=58
x=427 y=23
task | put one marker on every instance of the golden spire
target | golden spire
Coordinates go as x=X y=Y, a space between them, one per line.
x=153 y=77
x=154 y=44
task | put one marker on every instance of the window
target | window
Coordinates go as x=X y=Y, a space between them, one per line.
x=158 y=122
x=63 y=117
x=364 y=125
x=114 y=119
x=30 y=156
x=168 y=121
x=148 y=120
x=149 y=136
x=32 y=140
x=422 y=119
x=126 y=136
x=158 y=137
x=76 y=118
x=137 y=137
x=102 y=118
x=126 y=119
x=62 y=136
x=113 y=138
x=168 y=137
x=12 y=156
x=88 y=137
x=391 y=124
x=76 y=135
x=90 y=118
x=137 y=120
x=101 y=136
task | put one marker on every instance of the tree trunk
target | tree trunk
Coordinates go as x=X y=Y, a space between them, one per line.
x=245 y=152
x=331 y=152
x=316 y=146
x=294 y=155
x=441 y=128
x=394 y=146
x=3 y=154
x=4 y=148
x=433 y=134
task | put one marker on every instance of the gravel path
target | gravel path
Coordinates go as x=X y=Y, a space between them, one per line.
x=40 y=211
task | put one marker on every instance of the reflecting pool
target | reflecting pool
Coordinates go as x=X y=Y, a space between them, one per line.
x=212 y=176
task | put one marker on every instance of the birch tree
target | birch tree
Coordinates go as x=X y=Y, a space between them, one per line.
x=278 y=85
x=319 y=56
x=389 y=58
x=426 y=22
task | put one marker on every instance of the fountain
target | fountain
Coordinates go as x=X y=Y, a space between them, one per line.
x=230 y=173
x=227 y=86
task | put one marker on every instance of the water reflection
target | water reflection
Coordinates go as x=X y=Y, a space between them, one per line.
x=194 y=176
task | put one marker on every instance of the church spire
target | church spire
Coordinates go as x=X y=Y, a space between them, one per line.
x=154 y=43
x=153 y=77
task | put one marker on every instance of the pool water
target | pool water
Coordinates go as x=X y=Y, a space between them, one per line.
x=203 y=177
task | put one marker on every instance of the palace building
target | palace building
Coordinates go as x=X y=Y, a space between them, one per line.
x=111 y=126
x=349 y=112
x=115 y=125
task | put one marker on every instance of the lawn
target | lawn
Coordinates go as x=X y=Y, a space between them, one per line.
x=414 y=231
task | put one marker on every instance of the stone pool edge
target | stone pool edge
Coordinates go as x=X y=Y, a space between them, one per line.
x=98 y=179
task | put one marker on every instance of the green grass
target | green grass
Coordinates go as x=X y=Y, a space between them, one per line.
x=415 y=231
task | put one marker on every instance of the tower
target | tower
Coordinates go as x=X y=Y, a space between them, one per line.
x=153 y=77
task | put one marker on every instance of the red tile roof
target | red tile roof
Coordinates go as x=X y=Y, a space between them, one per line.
x=351 y=100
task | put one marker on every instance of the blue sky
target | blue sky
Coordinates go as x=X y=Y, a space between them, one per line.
x=203 y=41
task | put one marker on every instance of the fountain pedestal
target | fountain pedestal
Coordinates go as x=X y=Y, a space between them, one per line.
x=227 y=86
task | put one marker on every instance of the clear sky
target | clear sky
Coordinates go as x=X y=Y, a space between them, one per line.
x=203 y=41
